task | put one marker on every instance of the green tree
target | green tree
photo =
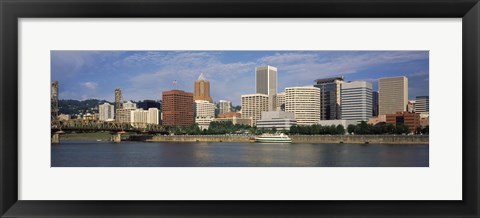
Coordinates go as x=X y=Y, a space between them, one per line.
x=340 y=130
x=401 y=129
x=351 y=128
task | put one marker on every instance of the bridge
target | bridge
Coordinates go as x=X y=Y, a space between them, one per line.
x=116 y=129
x=78 y=125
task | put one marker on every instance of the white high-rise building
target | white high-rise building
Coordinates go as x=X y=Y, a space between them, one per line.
x=129 y=105
x=106 y=112
x=280 y=101
x=304 y=102
x=356 y=100
x=253 y=105
x=266 y=83
x=224 y=106
x=204 y=113
x=392 y=95
x=422 y=104
x=153 y=116
x=139 y=118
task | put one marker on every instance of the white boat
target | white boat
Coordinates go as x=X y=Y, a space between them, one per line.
x=273 y=138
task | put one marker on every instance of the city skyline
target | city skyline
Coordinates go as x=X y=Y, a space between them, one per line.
x=146 y=74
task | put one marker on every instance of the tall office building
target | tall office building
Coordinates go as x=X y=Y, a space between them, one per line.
x=153 y=116
x=177 y=108
x=356 y=100
x=280 y=101
x=204 y=113
x=224 y=106
x=329 y=97
x=138 y=118
x=422 y=104
x=202 y=89
x=266 y=83
x=123 y=115
x=304 y=102
x=392 y=95
x=253 y=105
x=118 y=98
x=374 y=103
x=106 y=112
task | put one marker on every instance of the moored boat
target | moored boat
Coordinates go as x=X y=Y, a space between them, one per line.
x=273 y=138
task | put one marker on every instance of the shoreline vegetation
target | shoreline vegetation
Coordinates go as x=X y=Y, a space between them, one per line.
x=314 y=139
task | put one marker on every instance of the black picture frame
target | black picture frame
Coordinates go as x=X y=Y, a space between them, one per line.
x=12 y=10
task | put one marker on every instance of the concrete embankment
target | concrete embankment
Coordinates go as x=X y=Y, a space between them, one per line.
x=307 y=139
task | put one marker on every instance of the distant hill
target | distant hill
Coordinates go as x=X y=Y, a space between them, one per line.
x=76 y=107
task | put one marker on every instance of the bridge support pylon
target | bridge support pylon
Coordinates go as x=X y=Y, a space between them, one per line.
x=56 y=137
x=117 y=137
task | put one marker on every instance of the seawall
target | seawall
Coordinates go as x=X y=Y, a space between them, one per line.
x=318 y=139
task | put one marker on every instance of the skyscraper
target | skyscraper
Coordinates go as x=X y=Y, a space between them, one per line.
x=224 y=106
x=177 y=108
x=329 y=97
x=118 y=98
x=422 y=104
x=374 y=103
x=202 y=89
x=266 y=83
x=106 y=112
x=392 y=95
x=304 y=102
x=253 y=105
x=356 y=100
x=153 y=116
x=204 y=113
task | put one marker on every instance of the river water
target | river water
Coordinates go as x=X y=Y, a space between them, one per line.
x=222 y=154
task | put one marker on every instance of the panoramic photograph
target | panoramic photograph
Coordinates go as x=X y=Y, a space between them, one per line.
x=239 y=108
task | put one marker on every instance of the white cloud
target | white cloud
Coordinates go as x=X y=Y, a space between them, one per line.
x=90 y=85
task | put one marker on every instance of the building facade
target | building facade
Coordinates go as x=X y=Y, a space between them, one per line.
x=177 y=108
x=356 y=100
x=129 y=105
x=266 y=83
x=280 y=101
x=123 y=115
x=138 y=118
x=106 y=112
x=411 y=120
x=392 y=95
x=279 y=120
x=153 y=116
x=304 y=102
x=202 y=89
x=224 y=106
x=329 y=97
x=422 y=104
x=230 y=115
x=235 y=120
x=146 y=104
x=253 y=105
x=374 y=103
x=204 y=113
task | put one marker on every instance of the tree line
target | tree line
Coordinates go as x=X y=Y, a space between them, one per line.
x=227 y=127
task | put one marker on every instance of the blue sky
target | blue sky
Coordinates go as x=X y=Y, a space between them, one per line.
x=145 y=74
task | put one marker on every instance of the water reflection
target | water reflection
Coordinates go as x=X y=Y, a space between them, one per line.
x=152 y=154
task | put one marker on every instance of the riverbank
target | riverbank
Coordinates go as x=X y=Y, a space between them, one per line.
x=310 y=139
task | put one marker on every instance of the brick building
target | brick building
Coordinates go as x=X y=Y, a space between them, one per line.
x=412 y=120
x=177 y=107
